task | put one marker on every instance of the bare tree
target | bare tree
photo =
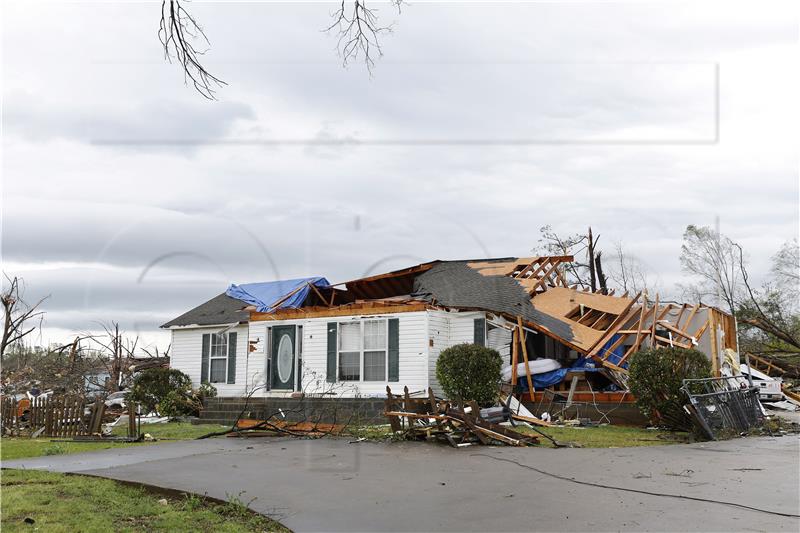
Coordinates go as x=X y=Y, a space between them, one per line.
x=627 y=271
x=786 y=269
x=716 y=262
x=184 y=41
x=18 y=314
x=359 y=30
x=773 y=310
x=588 y=273
x=719 y=264
x=551 y=243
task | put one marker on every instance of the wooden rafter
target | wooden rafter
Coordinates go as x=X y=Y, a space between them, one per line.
x=521 y=338
x=616 y=325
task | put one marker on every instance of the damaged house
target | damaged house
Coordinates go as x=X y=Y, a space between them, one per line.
x=352 y=339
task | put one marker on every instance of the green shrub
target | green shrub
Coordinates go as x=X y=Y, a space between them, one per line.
x=656 y=377
x=469 y=372
x=54 y=449
x=179 y=403
x=206 y=390
x=151 y=387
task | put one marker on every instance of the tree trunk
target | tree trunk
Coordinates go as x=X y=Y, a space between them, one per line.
x=592 y=273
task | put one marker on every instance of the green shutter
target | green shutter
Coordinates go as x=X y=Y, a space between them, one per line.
x=480 y=331
x=331 y=374
x=231 y=358
x=394 y=349
x=204 y=358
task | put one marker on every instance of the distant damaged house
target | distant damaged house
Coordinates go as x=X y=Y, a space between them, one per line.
x=281 y=338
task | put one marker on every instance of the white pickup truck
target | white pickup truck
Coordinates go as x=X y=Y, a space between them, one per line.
x=769 y=389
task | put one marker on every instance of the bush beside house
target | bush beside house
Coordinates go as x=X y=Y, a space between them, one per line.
x=656 y=377
x=168 y=392
x=469 y=372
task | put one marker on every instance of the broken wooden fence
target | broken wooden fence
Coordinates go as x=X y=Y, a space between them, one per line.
x=51 y=417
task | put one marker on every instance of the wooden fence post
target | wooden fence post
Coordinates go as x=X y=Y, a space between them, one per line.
x=132 y=433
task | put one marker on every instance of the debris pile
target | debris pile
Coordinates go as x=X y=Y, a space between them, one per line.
x=723 y=405
x=458 y=425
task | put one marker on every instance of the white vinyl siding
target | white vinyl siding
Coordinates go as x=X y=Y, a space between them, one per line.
x=446 y=329
x=251 y=366
x=413 y=354
x=186 y=351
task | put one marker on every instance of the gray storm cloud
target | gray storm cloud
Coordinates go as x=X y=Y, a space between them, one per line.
x=643 y=119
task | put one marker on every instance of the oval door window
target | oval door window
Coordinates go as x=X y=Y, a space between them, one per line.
x=285 y=358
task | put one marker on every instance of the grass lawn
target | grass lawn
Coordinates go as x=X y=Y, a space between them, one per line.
x=65 y=503
x=60 y=502
x=17 y=448
x=609 y=436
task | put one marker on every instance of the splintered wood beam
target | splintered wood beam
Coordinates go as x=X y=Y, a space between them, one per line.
x=712 y=323
x=540 y=282
x=539 y=269
x=678 y=319
x=639 y=326
x=700 y=331
x=526 y=269
x=653 y=329
x=552 y=276
x=615 y=326
x=281 y=300
x=514 y=356
x=672 y=342
x=521 y=337
x=314 y=288
x=673 y=329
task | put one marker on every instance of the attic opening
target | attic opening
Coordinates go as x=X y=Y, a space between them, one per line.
x=593 y=318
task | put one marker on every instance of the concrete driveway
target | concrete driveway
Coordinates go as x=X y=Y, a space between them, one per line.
x=332 y=485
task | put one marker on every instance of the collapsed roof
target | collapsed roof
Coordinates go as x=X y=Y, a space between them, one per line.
x=535 y=292
x=528 y=291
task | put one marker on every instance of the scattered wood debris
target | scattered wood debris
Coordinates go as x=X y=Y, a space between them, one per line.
x=459 y=425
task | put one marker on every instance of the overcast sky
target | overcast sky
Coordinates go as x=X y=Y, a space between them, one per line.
x=128 y=197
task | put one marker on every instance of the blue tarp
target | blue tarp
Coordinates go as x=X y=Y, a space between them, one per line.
x=614 y=356
x=265 y=295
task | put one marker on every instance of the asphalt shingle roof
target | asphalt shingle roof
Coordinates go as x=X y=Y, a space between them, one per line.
x=221 y=309
x=455 y=284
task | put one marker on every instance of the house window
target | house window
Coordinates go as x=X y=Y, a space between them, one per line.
x=363 y=350
x=218 y=358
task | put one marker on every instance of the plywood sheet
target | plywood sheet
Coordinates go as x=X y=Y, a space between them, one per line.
x=561 y=301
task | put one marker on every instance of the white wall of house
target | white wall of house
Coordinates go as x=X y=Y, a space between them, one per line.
x=413 y=356
x=186 y=352
x=422 y=336
x=446 y=329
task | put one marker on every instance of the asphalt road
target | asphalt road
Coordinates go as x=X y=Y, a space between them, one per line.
x=333 y=485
